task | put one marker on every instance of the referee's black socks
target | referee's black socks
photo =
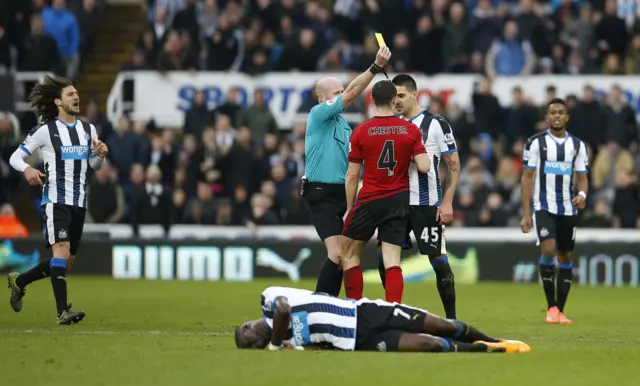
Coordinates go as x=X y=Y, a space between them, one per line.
x=36 y=273
x=547 y=274
x=330 y=278
x=446 y=285
x=59 y=283
x=565 y=276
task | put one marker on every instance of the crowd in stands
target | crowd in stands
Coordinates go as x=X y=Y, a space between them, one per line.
x=233 y=165
x=493 y=37
x=40 y=35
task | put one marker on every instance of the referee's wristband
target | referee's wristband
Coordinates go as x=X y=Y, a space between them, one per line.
x=375 y=69
x=583 y=194
x=273 y=347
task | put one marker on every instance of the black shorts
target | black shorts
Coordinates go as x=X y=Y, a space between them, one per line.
x=327 y=204
x=380 y=324
x=64 y=223
x=388 y=215
x=429 y=233
x=561 y=228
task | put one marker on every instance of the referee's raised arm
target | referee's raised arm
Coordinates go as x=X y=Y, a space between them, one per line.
x=326 y=149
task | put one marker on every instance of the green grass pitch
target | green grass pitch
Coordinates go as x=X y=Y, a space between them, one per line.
x=180 y=333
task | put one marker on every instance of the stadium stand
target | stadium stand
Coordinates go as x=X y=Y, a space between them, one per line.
x=235 y=165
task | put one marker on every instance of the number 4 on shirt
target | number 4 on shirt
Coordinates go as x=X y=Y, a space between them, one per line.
x=387 y=159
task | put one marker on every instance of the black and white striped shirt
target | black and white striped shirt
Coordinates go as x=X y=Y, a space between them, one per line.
x=316 y=319
x=65 y=151
x=555 y=160
x=437 y=135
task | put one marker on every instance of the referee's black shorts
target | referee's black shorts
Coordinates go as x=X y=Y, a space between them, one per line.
x=327 y=204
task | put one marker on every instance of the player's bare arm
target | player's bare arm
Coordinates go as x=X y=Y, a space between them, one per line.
x=351 y=184
x=580 y=200
x=445 y=210
x=527 y=190
x=357 y=86
x=281 y=319
x=422 y=162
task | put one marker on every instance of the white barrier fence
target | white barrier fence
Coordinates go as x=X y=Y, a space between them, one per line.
x=283 y=232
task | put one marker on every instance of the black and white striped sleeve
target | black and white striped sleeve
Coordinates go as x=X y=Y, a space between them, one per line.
x=36 y=138
x=582 y=160
x=531 y=153
x=445 y=139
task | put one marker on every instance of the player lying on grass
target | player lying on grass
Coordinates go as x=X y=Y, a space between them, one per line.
x=298 y=319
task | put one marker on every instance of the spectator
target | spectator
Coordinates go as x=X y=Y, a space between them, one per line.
x=10 y=225
x=401 y=60
x=88 y=17
x=579 y=35
x=241 y=205
x=198 y=116
x=512 y=56
x=63 y=27
x=174 y=56
x=178 y=207
x=163 y=155
x=294 y=211
x=203 y=209
x=257 y=117
x=488 y=117
x=260 y=212
x=105 y=201
x=633 y=60
x=456 y=41
x=521 y=118
x=225 y=47
x=230 y=107
x=40 y=51
x=205 y=163
x=187 y=20
x=225 y=134
x=532 y=28
x=620 y=121
x=150 y=202
x=485 y=26
x=587 y=119
x=611 y=32
x=125 y=147
x=224 y=213
x=429 y=38
x=301 y=55
x=240 y=162
x=207 y=17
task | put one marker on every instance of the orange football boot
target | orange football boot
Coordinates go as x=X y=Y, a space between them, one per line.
x=553 y=315
x=563 y=319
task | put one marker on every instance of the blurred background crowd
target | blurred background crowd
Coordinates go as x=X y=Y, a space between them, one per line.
x=233 y=165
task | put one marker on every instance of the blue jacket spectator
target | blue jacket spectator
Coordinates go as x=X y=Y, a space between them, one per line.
x=63 y=27
x=511 y=57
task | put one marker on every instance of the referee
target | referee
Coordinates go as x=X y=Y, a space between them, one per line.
x=326 y=149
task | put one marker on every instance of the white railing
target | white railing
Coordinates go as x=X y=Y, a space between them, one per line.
x=284 y=232
x=116 y=105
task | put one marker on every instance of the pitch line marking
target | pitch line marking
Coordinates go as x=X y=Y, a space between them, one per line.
x=140 y=333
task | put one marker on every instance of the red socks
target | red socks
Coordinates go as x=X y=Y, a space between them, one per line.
x=353 y=283
x=394 y=285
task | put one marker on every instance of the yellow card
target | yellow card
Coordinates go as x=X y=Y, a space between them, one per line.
x=380 y=39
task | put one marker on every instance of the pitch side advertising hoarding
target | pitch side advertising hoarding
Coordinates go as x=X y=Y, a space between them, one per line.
x=595 y=264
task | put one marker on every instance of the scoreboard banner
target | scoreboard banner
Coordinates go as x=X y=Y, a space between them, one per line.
x=166 y=97
x=595 y=264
